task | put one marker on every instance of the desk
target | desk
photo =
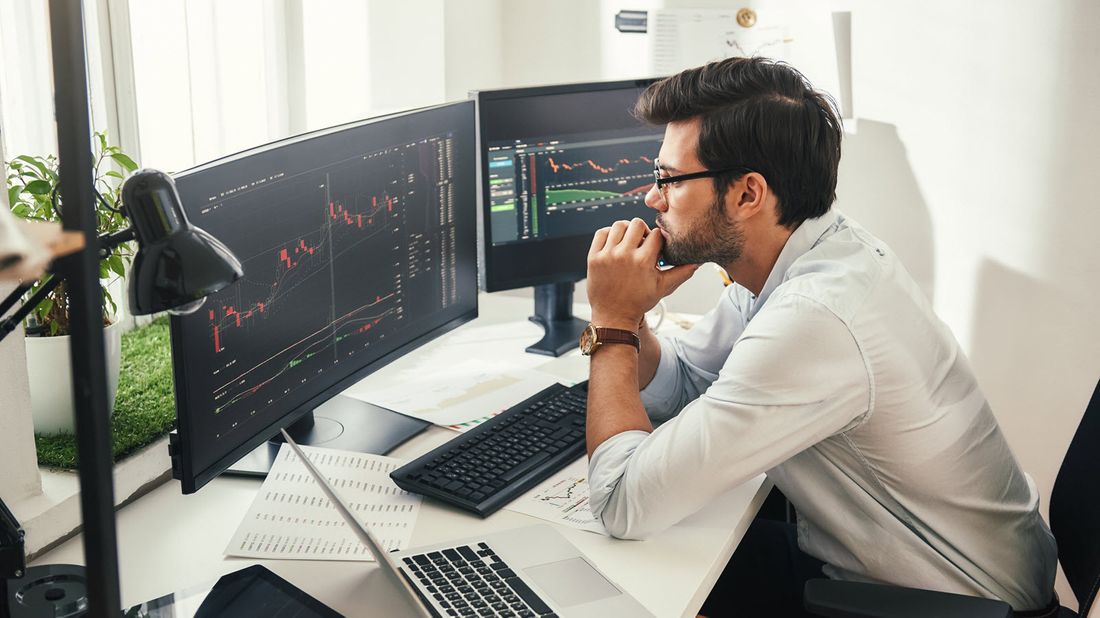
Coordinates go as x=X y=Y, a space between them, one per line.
x=168 y=541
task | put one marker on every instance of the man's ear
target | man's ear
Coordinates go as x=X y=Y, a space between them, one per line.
x=747 y=196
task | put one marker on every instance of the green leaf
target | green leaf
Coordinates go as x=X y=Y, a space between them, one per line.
x=38 y=187
x=124 y=161
x=102 y=137
x=113 y=174
x=107 y=300
x=13 y=195
x=39 y=164
x=115 y=262
x=53 y=328
x=103 y=272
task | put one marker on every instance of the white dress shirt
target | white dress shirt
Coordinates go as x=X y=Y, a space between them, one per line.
x=841 y=383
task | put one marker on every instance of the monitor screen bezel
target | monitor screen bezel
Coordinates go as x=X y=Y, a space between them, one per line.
x=549 y=251
x=183 y=465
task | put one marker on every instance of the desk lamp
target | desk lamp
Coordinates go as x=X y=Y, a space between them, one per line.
x=176 y=266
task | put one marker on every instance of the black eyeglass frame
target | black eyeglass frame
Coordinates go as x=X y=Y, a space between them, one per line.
x=661 y=181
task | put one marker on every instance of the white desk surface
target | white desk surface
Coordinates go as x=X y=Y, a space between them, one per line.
x=168 y=541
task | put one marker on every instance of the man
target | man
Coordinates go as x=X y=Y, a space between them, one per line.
x=823 y=365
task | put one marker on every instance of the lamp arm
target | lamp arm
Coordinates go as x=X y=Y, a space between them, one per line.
x=107 y=244
x=13 y=298
x=10 y=323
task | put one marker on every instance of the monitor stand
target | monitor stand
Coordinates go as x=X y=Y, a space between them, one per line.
x=341 y=423
x=554 y=312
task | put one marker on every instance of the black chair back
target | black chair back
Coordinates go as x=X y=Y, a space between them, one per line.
x=1075 y=508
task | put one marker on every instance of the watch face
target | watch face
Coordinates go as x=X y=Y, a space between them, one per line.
x=588 y=340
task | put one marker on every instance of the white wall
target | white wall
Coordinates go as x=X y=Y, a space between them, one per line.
x=473 y=46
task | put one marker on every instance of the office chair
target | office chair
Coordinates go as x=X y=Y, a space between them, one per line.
x=1074 y=520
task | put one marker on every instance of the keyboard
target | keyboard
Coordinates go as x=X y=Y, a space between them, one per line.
x=474 y=581
x=500 y=459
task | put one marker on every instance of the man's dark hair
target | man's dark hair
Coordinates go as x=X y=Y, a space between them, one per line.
x=761 y=114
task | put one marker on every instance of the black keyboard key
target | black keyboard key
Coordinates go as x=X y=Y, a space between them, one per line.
x=507 y=574
x=467 y=553
x=451 y=554
x=529 y=597
x=524 y=467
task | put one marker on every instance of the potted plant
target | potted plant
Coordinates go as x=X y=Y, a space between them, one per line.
x=32 y=192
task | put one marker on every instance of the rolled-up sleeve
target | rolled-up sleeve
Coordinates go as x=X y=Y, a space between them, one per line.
x=796 y=376
x=690 y=363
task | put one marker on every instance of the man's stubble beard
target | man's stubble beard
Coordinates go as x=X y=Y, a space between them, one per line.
x=715 y=239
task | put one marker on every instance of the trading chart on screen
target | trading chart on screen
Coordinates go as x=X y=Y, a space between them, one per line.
x=338 y=261
x=568 y=185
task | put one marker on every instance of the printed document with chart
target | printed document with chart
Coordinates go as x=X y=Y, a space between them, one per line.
x=292 y=519
x=562 y=499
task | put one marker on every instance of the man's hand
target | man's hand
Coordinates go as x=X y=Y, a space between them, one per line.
x=623 y=279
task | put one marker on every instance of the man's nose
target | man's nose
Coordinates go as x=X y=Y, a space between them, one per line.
x=655 y=199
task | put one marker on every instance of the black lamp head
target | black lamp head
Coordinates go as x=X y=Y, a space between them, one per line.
x=177 y=264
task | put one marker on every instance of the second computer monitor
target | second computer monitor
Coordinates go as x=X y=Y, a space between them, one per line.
x=358 y=245
x=557 y=163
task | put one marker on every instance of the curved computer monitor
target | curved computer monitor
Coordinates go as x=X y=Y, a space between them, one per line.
x=557 y=163
x=358 y=245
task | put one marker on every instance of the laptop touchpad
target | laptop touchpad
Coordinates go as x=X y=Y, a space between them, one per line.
x=570 y=582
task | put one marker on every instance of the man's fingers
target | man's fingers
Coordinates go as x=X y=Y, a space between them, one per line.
x=615 y=235
x=599 y=239
x=652 y=245
x=635 y=232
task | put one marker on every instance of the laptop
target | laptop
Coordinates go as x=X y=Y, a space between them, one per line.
x=526 y=572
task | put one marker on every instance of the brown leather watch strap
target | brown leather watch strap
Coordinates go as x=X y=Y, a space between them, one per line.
x=618 y=335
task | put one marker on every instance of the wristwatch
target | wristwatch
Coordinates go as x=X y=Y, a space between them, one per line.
x=593 y=337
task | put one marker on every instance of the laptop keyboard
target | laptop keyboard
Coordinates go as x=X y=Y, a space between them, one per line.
x=474 y=581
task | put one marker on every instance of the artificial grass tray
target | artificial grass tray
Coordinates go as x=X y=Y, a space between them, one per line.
x=145 y=407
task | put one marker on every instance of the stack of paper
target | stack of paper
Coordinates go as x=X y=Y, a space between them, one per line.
x=292 y=519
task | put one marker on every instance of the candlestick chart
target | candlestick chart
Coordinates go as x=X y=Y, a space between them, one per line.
x=337 y=261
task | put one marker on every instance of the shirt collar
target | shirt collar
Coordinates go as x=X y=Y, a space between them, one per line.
x=803 y=239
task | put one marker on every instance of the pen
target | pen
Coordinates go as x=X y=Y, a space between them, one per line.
x=725 y=276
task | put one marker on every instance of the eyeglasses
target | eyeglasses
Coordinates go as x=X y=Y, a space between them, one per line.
x=661 y=181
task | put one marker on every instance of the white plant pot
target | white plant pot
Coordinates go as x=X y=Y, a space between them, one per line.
x=50 y=375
